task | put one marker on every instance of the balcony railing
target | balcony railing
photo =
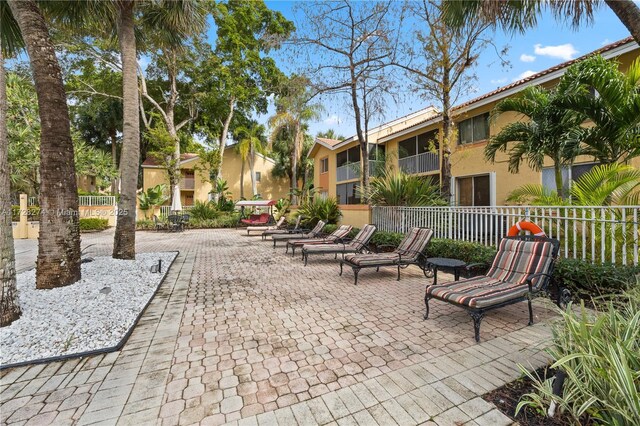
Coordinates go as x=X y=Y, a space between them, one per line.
x=187 y=183
x=421 y=163
x=352 y=170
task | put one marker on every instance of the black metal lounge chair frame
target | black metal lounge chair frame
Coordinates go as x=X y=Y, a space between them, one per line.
x=344 y=241
x=477 y=314
x=417 y=258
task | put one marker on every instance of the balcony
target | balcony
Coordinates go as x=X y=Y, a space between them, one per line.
x=188 y=183
x=421 y=163
x=352 y=170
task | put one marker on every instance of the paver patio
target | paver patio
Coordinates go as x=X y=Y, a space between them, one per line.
x=240 y=332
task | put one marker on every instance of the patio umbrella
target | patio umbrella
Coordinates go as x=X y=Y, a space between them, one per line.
x=176 y=205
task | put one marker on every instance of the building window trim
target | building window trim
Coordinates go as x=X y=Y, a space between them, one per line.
x=455 y=192
x=324 y=165
x=472 y=120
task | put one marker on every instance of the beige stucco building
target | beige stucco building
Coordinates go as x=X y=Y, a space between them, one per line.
x=195 y=184
x=414 y=145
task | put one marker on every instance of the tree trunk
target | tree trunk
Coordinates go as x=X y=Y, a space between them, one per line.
x=294 y=164
x=364 y=154
x=557 y=169
x=9 y=307
x=58 y=262
x=124 y=246
x=114 y=159
x=242 y=179
x=225 y=132
x=445 y=166
x=252 y=165
x=629 y=13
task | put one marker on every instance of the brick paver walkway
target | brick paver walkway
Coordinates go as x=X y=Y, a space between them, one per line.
x=242 y=333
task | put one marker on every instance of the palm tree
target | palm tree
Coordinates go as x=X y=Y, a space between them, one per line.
x=293 y=111
x=251 y=143
x=613 y=109
x=9 y=307
x=58 y=261
x=523 y=14
x=543 y=135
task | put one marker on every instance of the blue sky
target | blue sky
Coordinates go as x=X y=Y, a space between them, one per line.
x=547 y=45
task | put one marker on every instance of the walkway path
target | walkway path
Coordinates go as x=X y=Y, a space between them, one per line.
x=239 y=332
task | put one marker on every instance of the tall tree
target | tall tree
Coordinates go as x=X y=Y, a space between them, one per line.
x=293 y=112
x=439 y=61
x=523 y=14
x=349 y=47
x=246 y=32
x=251 y=141
x=124 y=244
x=545 y=133
x=58 y=261
x=9 y=307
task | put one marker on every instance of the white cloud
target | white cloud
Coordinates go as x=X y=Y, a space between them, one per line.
x=499 y=81
x=527 y=58
x=333 y=120
x=562 y=51
x=527 y=73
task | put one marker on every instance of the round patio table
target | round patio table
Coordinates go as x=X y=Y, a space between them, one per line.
x=445 y=263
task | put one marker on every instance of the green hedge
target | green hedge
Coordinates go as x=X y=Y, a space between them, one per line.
x=224 y=220
x=93 y=224
x=585 y=280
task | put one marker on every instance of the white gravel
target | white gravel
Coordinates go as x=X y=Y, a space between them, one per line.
x=79 y=317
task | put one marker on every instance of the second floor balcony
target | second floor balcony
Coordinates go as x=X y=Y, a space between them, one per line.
x=352 y=170
x=421 y=163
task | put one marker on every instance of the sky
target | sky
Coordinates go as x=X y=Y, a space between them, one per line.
x=549 y=44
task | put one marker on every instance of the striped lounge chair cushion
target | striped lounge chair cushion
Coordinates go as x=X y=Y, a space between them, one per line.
x=380 y=259
x=364 y=235
x=354 y=246
x=336 y=235
x=414 y=243
x=506 y=279
x=311 y=234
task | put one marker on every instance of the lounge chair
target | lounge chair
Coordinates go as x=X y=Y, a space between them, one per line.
x=338 y=235
x=409 y=252
x=315 y=232
x=158 y=224
x=259 y=228
x=296 y=229
x=257 y=219
x=356 y=245
x=522 y=269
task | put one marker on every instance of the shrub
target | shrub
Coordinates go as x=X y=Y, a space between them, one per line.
x=33 y=213
x=145 y=224
x=203 y=211
x=600 y=354
x=93 y=224
x=328 y=229
x=401 y=189
x=587 y=280
x=318 y=209
x=223 y=220
x=382 y=238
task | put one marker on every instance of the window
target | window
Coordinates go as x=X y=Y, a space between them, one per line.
x=351 y=155
x=426 y=142
x=376 y=152
x=474 y=129
x=258 y=176
x=347 y=193
x=324 y=165
x=569 y=174
x=474 y=191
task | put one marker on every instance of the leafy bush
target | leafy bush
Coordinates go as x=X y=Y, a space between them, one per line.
x=600 y=354
x=462 y=250
x=318 y=209
x=328 y=229
x=587 y=280
x=381 y=238
x=33 y=213
x=224 y=220
x=204 y=211
x=401 y=189
x=152 y=197
x=93 y=224
x=145 y=224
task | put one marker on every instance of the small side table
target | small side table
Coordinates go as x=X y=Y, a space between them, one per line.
x=445 y=263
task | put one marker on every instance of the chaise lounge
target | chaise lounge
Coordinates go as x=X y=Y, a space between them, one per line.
x=339 y=234
x=258 y=228
x=356 y=245
x=284 y=230
x=409 y=252
x=521 y=270
x=257 y=219
x=315 y=232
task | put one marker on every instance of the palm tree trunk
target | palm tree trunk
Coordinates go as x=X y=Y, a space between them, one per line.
x=124 y=245
x=252 y=166
x=445 y=165
x=223 y=135
x=114 y=159
x=557 y=170
x=294 y=163
x=58 y=262
x=242 y=179
x=9 y=307
x=629 y=13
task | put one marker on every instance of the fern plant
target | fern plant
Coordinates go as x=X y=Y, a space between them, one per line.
x=317 y=209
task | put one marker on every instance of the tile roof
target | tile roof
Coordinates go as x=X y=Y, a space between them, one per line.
x=151 y=161
x=330 y=142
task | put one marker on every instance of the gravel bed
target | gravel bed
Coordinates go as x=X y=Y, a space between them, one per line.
x=93 y=313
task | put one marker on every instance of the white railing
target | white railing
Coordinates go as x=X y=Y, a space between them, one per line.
x=32 y=201
x=352 y=170
x=166 y=210
x=97 y=200
x=596 y=234
x=421 y=163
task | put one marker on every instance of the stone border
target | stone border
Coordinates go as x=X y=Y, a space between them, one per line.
x=106 y=350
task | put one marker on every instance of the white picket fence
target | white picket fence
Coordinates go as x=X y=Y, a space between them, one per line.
x=166 y=210
x=96 y=200
x=596 y=234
